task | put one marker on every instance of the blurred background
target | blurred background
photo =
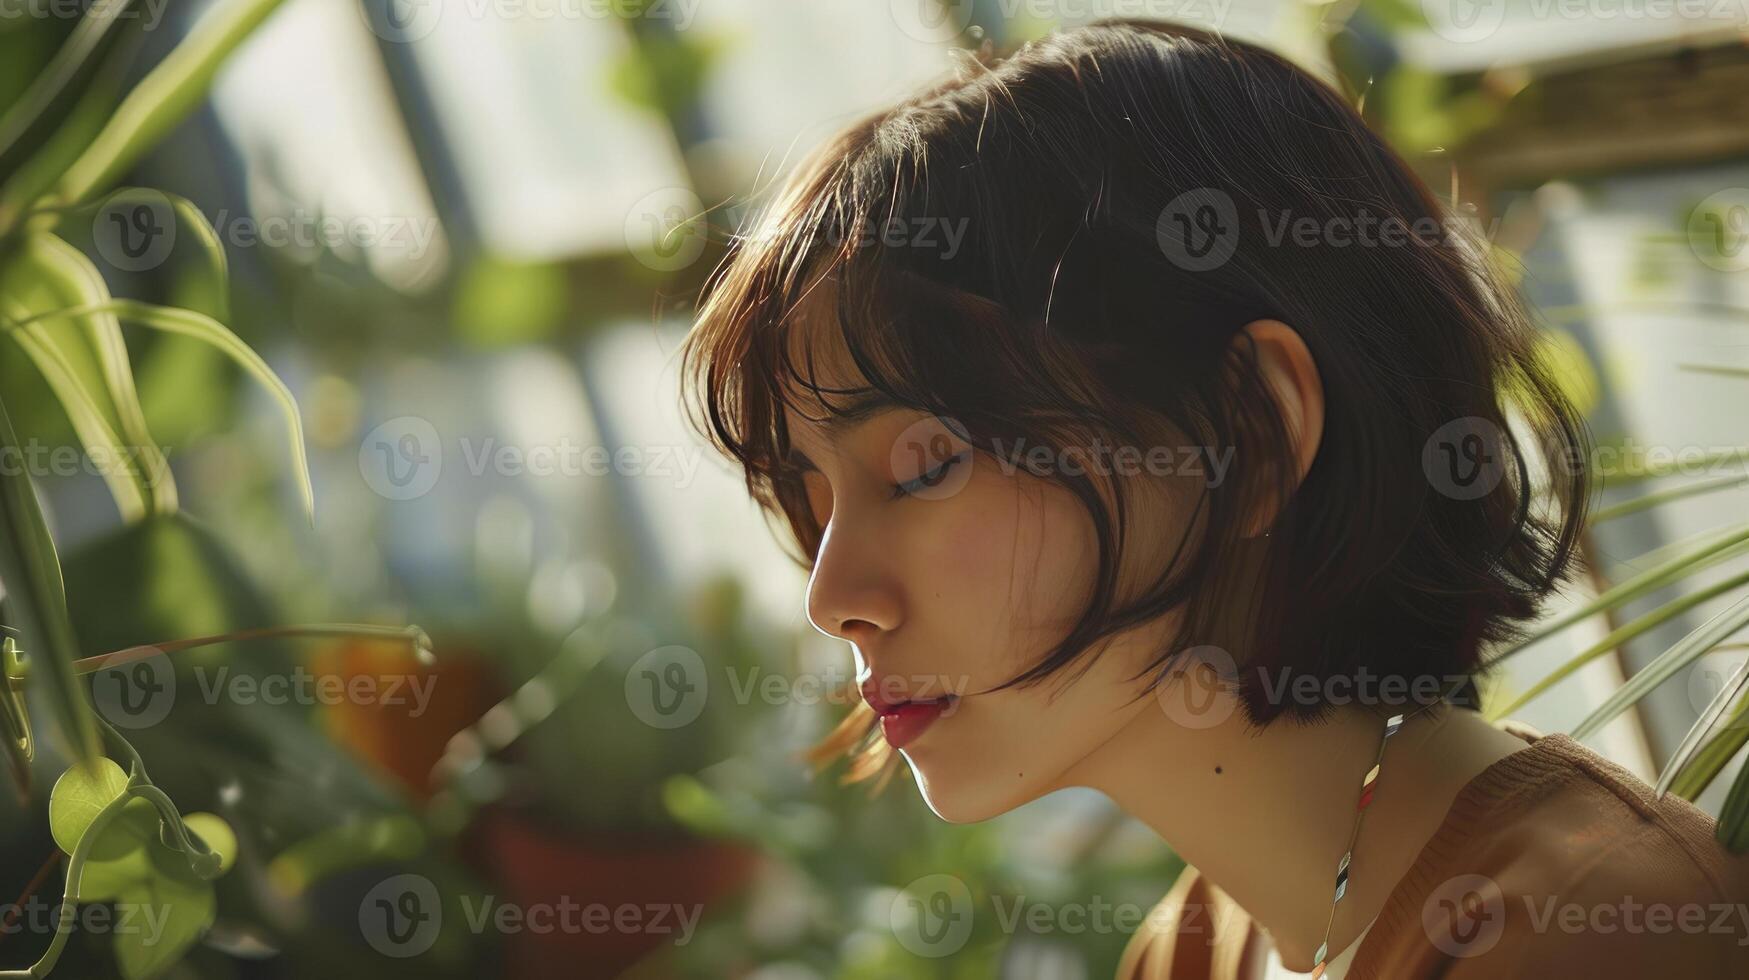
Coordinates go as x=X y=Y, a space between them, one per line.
x=468 y=235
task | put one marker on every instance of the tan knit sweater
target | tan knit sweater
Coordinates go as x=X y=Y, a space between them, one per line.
x=1551 y=862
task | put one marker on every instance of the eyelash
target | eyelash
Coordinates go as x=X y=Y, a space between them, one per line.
x=908 y=487
x=929 y=479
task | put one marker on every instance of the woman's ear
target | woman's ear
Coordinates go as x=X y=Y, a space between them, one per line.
x=1286 y=366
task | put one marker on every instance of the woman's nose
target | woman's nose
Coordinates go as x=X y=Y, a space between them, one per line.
x=852 y=593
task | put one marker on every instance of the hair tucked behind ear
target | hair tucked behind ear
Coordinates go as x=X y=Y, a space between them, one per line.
x=1076 y=306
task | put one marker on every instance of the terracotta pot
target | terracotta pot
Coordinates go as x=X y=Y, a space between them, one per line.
x=394 y=730
x=641 y=878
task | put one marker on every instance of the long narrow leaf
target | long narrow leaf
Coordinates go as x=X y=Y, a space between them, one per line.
x=1646 y=471
x=60 y=71
x=1729 y=370
x=37 y=600
x=163 y=98
x=23 y=189
x=127 y=483
x=1703 y=726
x=205 y=328
x=1662 y=497
x=1712 y=758
x=1703 y=638
x=104 y=333
x=1733 y=827
x=1616 y=638
x=1733 y=543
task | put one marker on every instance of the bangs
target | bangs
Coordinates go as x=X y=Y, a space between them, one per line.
x=816 y=310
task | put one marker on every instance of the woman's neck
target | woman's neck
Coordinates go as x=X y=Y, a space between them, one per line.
x=1266 y=815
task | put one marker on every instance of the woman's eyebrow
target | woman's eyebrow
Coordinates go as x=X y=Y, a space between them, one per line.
x=845 y=417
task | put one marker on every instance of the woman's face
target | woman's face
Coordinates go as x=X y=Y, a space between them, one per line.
x=949 y=576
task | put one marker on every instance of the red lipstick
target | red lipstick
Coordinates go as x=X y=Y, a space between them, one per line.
x=904 y=719
x=901 y=724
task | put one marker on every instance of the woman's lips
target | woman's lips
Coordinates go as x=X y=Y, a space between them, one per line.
x=901 y=724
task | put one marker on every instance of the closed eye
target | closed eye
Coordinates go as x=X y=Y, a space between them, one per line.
x=930 y=479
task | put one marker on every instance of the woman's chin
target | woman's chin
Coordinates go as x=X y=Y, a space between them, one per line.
x=962 y=798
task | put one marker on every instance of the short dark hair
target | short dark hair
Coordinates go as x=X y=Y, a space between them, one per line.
x=1076 y=305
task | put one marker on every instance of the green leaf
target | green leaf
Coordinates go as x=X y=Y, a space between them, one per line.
x=40 y=280
x=37 y=601
x=171 y=906
x=1729 y=544
x=1701 y=639
x=76 y=128
x=1712 y=758
x=118 y=858
x=79 y=796
x=59 y=72
x=1733 y=826
x=1704 y=726
x=80 y=278
x=90 y=422
x=163 y=98
x=217 y=835
x=1616 y=638
x=205 y=328
x=1661 y=497
x=188 y=912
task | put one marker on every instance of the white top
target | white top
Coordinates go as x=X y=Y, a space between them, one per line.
x=1336 y=969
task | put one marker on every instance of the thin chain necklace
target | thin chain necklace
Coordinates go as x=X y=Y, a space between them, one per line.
x=1366 y=787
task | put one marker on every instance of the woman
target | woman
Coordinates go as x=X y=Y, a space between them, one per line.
x=1147 y=425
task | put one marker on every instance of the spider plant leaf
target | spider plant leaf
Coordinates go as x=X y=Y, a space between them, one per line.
x=1638 y=471
x=1729 y=544
x=1703 y=726
x=1661 y=497
x=1701 y=639
x=1712 y=758
x=1733 y=826
x=1729 y=370
x=1616 y=638
x=27 y=183
x=168 y=93
x=80 y=278
x=65 y=66
x=80 y=360
x=91 y=422
x=36 y=600
x=15 y=714
x=202 y=327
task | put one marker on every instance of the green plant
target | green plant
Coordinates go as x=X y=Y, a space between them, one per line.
x=125 y=839
x=1722 y=727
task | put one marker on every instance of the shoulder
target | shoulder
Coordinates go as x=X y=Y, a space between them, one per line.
x=1196 y=931
x=1561 y=859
